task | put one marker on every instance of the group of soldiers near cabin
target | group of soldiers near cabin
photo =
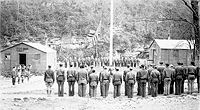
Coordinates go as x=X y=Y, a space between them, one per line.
x=160 y=79
x=20 y=73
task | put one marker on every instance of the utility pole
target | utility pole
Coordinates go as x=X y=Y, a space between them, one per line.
x=111 y=34
x=195 y=7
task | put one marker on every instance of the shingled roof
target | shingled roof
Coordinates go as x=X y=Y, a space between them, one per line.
x=37 y=46
x=173 y=44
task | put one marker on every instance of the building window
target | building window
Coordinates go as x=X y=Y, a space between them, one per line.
x=7 y=56
x=37 y=56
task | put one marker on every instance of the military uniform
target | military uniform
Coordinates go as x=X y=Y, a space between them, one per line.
x=14 y=75
x=105 y=81
x=125 y=82
x=154 y=80
x=49 y=79
x=71 y=78
x=179 y=73
x=142 y=78
x=149 y=83
x=117 y=81
x=198 y=79
x=191 y=75
x=161 y=81
x=167 y=75
x=172 y=81
x=93 y=82
x=130 y=78
x=82 y=79
x=60 y=77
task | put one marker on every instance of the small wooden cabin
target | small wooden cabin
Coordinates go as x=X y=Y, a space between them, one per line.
x=170 y=51
x=35 y=54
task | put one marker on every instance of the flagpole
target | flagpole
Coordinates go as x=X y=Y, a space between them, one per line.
x=111 y=34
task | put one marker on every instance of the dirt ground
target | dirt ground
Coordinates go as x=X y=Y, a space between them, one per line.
x=32 y=96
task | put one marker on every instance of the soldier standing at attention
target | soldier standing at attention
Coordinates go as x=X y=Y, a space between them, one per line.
x=160 y=68
x=154 y=80
x=172 y=80
x=71 y=78
x=49 y=79
x=101 y=92
x=184 y=77
x=19 y=72
x=13 y=75
x=125 y=82
x=198 y=79
x=149 y=83
x=142 y=77
x=138 y=85
x=105 y=80
x=130 y=78
x=179 y=72
x=167 y=75
x=60 y=77
x=191 y=74
x=82 y=79
x=93 y=82
x=117 y=81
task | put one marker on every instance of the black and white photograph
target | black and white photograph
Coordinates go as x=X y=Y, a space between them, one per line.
x=99 y=55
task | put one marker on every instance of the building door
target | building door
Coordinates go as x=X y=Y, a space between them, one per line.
x=22 y=59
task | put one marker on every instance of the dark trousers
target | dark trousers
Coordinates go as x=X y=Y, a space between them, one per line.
x=126 y=88
x=143 y=88
x=161 y=87
x=105 y=88
x=130 y=90
x=198 y=84
x=60 y=88
x=13 y=81
x=154 y=89
x=172 y=87
x=149 y=88
x=101 y=90
x=178 y=86
x=182 y=87
x=138 y=89
x=71 y=88
x=117 y=89
x=93 y=91
x=82 y=89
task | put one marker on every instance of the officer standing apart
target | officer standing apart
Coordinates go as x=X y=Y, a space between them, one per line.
x=191 y=74
x=49 y=79
x=142 y=77
x=82 y=79
x=71 y=78
x=179 y=73
x=161 y=82
x=167 y=75
x=125 y=82
x=105 y=80
x=154 y=80
x=60 y=77
x=93 y=82
x=130 y=78
x=117 y=81
x=14 y=75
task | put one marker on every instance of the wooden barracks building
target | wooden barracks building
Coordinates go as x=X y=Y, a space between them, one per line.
x=35 y=54
x=170 y=51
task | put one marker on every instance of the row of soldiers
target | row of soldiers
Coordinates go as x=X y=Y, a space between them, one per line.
x=160 y=79
x=102 y=62
x=19 y=73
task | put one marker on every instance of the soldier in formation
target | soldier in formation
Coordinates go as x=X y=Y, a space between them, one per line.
x=71 y=78
x=130 y=79
x=105 y=81
x=82 y=79
x=167 y=76
x=93 y=82
x=117 y=81
x=154 y=78
x=49 y=79
x=60 y=77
